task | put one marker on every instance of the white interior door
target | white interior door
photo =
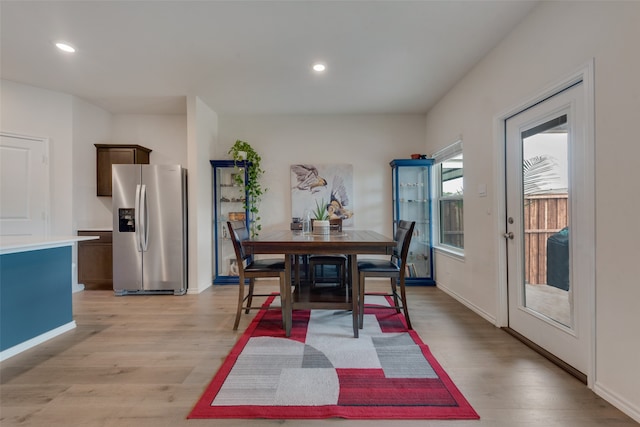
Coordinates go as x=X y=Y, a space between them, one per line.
x=548 y=226
x=24 y=186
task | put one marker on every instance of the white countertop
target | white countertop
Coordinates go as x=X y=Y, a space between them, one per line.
x=12 y=244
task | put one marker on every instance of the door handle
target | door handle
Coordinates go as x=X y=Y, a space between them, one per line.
x=138 y=220
x=508 y=235
x=144 y=216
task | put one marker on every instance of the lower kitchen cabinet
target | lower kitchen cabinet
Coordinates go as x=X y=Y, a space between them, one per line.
x=95 y=261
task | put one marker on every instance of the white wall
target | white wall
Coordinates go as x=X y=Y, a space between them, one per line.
x=166 y=135
x=73 y=126
x=91 y=125
x=368 y=142
x=553 y=41
x=202 y=134
x=68 y=122
x=32 y=111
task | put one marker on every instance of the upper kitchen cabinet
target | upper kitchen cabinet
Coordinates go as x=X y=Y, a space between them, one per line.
x=111 y=154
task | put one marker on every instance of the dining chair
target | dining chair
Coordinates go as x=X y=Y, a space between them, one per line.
x=337 y=274
x=251 y=269
x=393 y=268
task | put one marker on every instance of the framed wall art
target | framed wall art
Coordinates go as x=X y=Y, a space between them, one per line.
x=324 y=188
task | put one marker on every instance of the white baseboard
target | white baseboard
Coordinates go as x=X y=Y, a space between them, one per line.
x=488 y=317
x=196 y=291
x=12 y=351
x=602 y=391
x=617 y=401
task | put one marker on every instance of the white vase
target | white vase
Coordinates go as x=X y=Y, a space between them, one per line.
x=242 y=155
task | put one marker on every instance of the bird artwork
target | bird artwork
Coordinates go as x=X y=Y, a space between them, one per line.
x=322 y=190
x=308 y=178
x=339 y=200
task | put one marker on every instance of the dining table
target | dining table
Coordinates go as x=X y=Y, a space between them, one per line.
x=294 y=243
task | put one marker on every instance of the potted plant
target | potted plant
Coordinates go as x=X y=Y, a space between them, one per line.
x=320 y=213
x=312 y=215
x=244 y=155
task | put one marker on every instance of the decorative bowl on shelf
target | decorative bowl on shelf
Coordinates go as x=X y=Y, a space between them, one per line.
x=237 y=216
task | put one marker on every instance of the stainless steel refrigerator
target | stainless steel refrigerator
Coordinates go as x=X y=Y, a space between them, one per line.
x=149 y=229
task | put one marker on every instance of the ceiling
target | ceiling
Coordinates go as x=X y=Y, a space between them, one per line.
x=252 y=57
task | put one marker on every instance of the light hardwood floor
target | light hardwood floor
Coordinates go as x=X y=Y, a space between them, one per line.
x=145 y=360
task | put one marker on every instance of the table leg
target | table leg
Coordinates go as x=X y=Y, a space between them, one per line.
x=355 y=292
x=285 y=299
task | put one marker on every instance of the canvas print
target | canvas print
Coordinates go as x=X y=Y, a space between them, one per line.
x=325 y=188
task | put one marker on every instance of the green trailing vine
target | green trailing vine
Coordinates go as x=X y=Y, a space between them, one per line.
x=252 y=188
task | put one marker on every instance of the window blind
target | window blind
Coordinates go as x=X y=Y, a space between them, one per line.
x=447 y=152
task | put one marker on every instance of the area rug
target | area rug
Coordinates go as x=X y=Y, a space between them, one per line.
x=322 y=371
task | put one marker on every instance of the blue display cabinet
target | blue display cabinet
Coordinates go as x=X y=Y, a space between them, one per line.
x=228 y=204
x=412 y=202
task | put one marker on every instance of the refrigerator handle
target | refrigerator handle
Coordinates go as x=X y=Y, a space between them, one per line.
x=145 y=217
x=138 y=221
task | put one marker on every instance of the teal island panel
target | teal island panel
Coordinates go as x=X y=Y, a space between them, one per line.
x=35 y=294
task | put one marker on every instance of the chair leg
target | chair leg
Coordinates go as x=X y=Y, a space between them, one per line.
x=312 y=275
x=397 y=300
x=403 y=296
x=252 y=282
x=394 y=292
x=240 y=301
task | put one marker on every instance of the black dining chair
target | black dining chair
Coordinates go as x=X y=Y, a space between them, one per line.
x=329 y=268
x=251 y=269
x=393 y=268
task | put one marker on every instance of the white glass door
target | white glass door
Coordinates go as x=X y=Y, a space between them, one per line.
x=544 y=168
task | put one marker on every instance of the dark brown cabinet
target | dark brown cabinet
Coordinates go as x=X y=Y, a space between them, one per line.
x=95 y=261
x=110 y=154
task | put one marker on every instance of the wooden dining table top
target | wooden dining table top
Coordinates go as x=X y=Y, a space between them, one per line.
x=345 y=242
x=293 y=242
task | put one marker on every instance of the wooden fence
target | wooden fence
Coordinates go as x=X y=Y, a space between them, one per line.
x=544 y=215
x=451 y=223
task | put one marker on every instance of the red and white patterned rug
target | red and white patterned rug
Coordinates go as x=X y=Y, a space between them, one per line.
x=321 y=371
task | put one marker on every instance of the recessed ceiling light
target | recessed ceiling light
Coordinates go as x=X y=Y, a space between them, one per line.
x=319 y=67
x=65 y=47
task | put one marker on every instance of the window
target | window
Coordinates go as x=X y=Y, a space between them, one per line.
x=449 y=192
